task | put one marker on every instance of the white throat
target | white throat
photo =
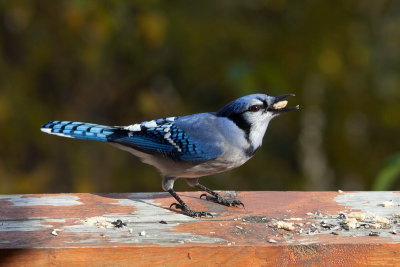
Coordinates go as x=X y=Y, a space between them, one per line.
x=257 y=133
x=259 y=125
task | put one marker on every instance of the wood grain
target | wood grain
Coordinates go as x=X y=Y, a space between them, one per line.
x=77 y=230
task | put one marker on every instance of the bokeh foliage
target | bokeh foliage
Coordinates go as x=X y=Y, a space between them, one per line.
x=120 y=62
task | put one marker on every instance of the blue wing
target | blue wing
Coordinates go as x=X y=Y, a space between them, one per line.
x=165 y=138
x=161 y=137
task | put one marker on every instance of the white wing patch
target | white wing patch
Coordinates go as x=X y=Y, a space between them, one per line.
x=167 y=137
x=147 y=124
x=153 y=124
x=133 y=128
x=150 y=124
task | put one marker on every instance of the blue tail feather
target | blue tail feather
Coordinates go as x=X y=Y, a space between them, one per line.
x=81 y=130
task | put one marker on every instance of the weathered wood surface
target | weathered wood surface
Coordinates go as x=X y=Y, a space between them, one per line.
x=77 y=229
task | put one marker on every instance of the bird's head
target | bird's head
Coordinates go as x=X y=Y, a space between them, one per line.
x=252 y=113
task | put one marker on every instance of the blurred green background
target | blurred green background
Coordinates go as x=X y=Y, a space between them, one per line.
x=121 y=62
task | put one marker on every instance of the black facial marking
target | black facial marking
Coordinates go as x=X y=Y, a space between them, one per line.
x=242 y=123
x=238 y=119
x=251 y=151
x=265 y=104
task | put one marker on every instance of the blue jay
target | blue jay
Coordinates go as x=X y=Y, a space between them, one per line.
x=190 y=146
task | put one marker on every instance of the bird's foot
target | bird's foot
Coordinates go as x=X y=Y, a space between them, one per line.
x=223 y=201
x=185 y=208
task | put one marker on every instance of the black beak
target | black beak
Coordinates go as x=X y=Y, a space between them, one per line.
x=279 y=103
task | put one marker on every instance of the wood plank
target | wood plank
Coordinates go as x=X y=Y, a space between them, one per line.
x=349 y=228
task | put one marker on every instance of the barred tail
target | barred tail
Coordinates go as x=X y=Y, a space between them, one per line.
x=79 y=130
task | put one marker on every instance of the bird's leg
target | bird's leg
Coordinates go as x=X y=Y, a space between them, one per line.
x=185 y=208
x=217 y=198
x=168 y=185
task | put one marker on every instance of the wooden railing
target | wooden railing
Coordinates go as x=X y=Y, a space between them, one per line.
x=138 y=229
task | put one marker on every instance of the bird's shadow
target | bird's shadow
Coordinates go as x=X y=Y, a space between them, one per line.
x=142 y=197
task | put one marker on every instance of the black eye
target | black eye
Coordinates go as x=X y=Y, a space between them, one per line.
x=255 y=108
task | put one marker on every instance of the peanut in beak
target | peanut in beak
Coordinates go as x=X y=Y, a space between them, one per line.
x=280 y=104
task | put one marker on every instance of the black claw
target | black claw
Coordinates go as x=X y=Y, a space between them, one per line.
x=190 y=212
x=223 y=201
x=205 y=195
x=176 y=205
x=237 y=203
